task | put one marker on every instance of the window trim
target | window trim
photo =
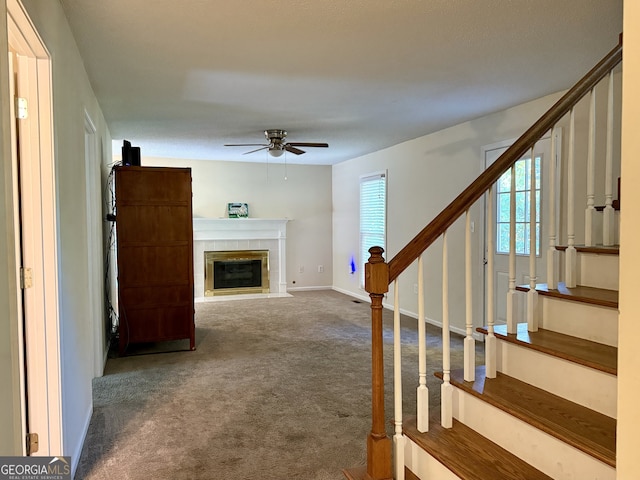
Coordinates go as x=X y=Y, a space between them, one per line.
x=364 y=257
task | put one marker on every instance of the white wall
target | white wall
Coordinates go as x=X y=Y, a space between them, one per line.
x=628 y=435
x=305 y=198
x=72 y=94
x=10 y=426
x=425 y=174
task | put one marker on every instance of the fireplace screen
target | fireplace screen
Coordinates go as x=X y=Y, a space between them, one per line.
x=235 y=272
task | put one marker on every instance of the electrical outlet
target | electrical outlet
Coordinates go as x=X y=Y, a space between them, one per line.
x=415 y=288
x=320 y=268
x=300 y=269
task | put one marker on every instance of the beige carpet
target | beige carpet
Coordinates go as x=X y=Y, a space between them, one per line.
x=277 y=389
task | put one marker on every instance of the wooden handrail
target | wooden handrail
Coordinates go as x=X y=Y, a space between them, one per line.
x=379 y=274
x=473 y=192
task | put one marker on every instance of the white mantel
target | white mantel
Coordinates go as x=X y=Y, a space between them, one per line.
x=220 y=234
x=239 y=228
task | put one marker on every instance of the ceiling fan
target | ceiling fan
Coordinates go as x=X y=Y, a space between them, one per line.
x=277 y=144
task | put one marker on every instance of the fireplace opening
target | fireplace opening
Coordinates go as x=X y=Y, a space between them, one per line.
x=236 y=272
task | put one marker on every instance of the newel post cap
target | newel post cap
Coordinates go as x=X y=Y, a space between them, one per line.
x=376 y=272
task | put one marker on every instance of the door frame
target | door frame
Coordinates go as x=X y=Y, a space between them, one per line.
x=482 y=244
x=94 y=242
x=41 y=326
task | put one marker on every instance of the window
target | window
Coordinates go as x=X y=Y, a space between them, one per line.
x=523 y=189
x=373 y=216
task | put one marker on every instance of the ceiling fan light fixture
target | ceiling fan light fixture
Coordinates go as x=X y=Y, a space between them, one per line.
x=276 y=152
x=277 y=144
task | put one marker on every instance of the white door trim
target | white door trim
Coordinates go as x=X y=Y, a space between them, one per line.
x=482 y=244
x=43 y=377
x=94 y=243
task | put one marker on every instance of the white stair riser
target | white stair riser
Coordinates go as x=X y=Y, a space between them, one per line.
x=544 y=452
x=588 y=387
x=424 y=465
x=599 y=271
x=582 y=320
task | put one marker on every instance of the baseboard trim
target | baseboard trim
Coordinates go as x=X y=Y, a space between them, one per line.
x=308 y=289
x=364 y=298
x=460 y=331
x=75 y=456
x=104 y=360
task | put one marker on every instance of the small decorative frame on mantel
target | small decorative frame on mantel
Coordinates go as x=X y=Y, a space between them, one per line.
x=238 y=210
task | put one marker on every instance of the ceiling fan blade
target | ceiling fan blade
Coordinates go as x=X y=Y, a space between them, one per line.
x=256 y=150
x=308 y=144
x=293 y=150
x=246 y=145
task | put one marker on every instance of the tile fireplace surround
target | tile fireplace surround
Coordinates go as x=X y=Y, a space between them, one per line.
x=219 y=234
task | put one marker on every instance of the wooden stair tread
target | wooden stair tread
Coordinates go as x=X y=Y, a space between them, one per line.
x=592 y=295
x=357 y=473
x=360 y=473
x=578 y=350
x=587 y=430
x=409 y=475
x=599 y=249
x=468 y=454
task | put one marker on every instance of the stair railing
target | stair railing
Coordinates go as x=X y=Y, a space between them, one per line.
x=380 y=274
x=608 y=237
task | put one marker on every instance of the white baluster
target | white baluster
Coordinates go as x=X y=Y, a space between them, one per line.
x=552 y=252
x=398 y=438
x=570 y=253
x=469 y=341
x=590 y=211
x=490 y=341
x=446 y=389
x=609 y=214
x=423 y=391
x=532 y=295
x=512 y=321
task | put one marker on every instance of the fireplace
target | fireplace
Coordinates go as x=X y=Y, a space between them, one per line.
x=236 y=272
x=235 y=234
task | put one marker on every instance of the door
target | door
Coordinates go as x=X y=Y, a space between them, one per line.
x=28 y=235
x=34 y=220
x=13 y=69
x=501 y=227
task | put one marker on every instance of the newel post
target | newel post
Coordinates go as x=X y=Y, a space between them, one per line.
x=376 y=283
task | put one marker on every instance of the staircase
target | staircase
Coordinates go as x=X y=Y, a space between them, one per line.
x=543 y=404
x=552 y=405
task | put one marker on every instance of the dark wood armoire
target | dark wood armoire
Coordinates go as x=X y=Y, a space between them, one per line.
x=154 y=229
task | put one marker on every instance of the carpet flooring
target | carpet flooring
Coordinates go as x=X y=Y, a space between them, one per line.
x=277 y=389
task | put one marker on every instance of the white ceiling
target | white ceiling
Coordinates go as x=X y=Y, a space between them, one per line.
x=182 y=78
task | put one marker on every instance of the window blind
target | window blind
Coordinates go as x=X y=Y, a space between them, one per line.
x=373 y=216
